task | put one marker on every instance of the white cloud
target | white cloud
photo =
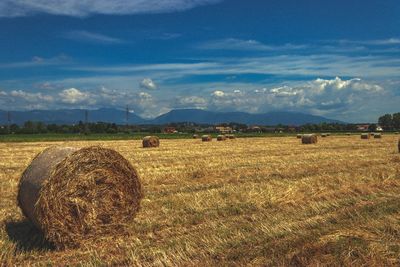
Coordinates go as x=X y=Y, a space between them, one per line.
x=79 y=8
x=191 y=102
x=249 y=45
x=73 y=96
x=218 y=93
x=148 y=83
x=91 y=37
x=31 y=97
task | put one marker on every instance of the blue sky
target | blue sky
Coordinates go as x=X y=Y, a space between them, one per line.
x=339 y=59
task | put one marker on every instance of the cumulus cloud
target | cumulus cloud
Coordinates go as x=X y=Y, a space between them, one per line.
x=190 y=102
x=218 y=93
x=78 y=8
x=148 y=83
x=73 y=96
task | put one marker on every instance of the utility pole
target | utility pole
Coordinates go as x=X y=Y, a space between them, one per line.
x=86 y=122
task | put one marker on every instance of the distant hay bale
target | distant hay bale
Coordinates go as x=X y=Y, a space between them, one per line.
x=398 y=145
x=328 y=134
x=309 y=139
x=206 y=138
x=396 y=132
x=151 y=141
x=230 y=136
x=348 y=134
x=299 y=136
x=221 y=137
x=324 y=135
x=365 y=136
x=73 y=195
x=378 y=136
x=195 y=136
x=371 y=134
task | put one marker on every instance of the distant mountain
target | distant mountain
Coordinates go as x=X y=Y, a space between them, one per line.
x=210 y=117
x=72 y=116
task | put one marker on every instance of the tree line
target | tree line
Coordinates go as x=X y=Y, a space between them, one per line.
x=390 y=122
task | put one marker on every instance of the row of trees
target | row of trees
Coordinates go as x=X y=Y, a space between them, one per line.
x=390 y=121
x=31 y=127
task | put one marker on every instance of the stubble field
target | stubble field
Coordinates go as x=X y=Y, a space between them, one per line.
x=256 y=201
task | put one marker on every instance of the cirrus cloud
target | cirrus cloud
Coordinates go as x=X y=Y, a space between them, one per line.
x=77 y=8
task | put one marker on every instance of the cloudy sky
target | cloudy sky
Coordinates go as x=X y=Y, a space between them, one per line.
x=339 y=59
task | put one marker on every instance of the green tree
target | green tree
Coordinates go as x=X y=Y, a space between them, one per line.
x=396 y=121
x=386 y=121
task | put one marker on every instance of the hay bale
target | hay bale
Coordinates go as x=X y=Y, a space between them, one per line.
x=206 y=138
x=221 y=137
x=230 y=136
x=378 y=136
x=398 y=145
x=328 y=134
x=195 y=136
x=324 y=135
x=309 y=139
x=396 y=133
x=151 y=141
x=348 y=134
x=365 y=136
x=371 y=134
x=73 y=195
x=299 y=136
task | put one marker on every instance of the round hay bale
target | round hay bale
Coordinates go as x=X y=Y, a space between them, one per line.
x=378 y=136
x=206 y=138
x=348 y=134
x=221 y=137
x=324 y=135
x=151 y=141
x=195 y=136
x=230 y=136
x=396 y=133
x=73 y=195
x=365 y=136
x=309 y=139
x=299 y=136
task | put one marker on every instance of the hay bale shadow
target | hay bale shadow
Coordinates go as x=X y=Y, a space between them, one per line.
x=26 y=236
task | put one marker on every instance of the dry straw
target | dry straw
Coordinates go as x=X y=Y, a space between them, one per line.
x=221 y=137
x=206 y=138
x=74 y=195
x=151 y=141
x=365 y=136
x=309 y=139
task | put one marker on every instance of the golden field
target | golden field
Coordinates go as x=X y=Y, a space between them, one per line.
x=256 y=201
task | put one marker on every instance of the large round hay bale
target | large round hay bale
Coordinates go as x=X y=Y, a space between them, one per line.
x=365 y=136
x=309 y=139
x=151 y=141
x=73 y=195
x=195 y=136
x=206 y=138
x=230 y=136
x=378 y=136
x=348 y=134
x=221 y=137
x=299 y=136
x=324 y=135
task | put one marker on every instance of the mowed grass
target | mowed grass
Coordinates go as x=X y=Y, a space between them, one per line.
x=259 y=201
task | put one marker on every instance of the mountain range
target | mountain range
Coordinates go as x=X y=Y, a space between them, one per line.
x=72 y=116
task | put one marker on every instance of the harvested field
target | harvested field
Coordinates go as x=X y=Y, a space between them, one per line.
x=274 y=202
